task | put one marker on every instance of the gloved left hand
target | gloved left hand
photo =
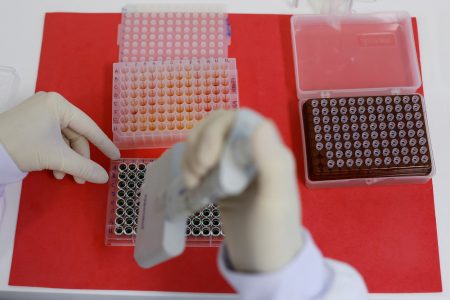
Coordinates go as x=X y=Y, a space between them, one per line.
x=47 y=132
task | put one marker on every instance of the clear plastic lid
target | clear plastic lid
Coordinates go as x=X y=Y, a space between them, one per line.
x=355 y=54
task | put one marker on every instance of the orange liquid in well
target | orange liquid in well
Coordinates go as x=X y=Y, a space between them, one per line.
x=171 y=109
x=171 y=126
x=161 y=101
x=180 y=126
x=170 y=117
x=152 y=109
x=161 y=109
x=198 y=116
x=179 y=99
x=142 y=110
x=161 y=118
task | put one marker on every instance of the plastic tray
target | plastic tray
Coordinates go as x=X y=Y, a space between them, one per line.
x=359 y=57
x=203 y=229
x=155 y=104
x=145 y=36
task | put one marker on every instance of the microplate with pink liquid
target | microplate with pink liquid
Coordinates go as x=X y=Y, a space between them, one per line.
x=156 y=103
x=147 y=36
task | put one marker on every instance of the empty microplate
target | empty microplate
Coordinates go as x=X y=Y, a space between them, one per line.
x=145 y=36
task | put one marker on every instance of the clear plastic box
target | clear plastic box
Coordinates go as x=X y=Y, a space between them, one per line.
x=203 y=229
x=356 y=55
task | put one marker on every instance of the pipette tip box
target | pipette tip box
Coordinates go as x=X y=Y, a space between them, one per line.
x=362 y=120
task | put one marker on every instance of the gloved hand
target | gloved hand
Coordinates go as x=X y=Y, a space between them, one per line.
x=262 y=225
x=47 y=132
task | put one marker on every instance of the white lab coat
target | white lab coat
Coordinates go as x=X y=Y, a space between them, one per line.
x=308 y=277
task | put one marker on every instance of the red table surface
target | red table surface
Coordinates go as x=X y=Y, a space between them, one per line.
x=387 y=233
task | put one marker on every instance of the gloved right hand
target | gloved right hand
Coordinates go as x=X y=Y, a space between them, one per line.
x=262 y=225
x=47 y=132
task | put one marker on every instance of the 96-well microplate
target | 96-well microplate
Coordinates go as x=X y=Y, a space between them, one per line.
x=126 y=178
x=170 y=35
x=366 y=137
x=155 y=104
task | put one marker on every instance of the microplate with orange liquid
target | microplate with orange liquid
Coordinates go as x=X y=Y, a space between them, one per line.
x=156 y=103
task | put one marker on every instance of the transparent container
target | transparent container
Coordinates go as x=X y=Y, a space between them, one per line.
x=203 y=229
x=357 y=56
x=147 y=36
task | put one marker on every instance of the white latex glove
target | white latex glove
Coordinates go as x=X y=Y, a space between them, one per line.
x=47 y=132
x=262 y=225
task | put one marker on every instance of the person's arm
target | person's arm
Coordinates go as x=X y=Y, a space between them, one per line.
x=9 y=173
x=47 y=132
x=266 y=254
x=309 y=276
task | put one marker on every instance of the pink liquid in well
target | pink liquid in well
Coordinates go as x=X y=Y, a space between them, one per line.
x=357 y=56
